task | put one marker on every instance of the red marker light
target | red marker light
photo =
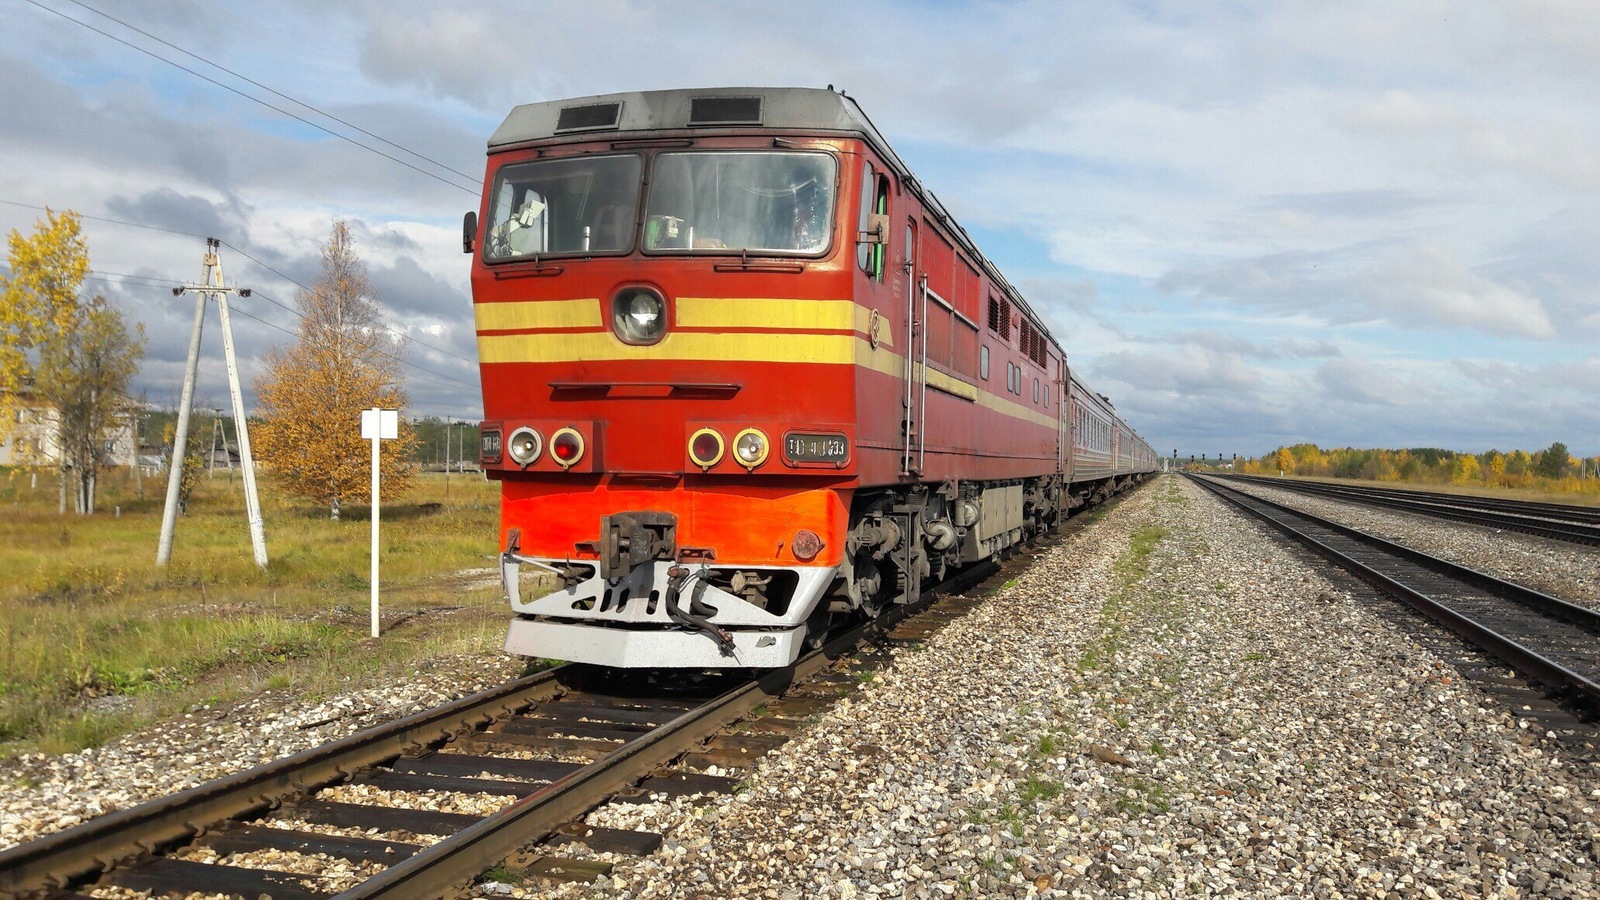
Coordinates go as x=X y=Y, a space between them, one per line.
x=566 y=447
x=706 y=448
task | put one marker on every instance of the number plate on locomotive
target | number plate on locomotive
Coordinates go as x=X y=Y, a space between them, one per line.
x=806 y=447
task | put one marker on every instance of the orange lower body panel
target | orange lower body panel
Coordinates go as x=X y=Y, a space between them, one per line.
x=740 y=521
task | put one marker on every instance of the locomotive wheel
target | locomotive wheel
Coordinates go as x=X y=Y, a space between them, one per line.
x=818 y=625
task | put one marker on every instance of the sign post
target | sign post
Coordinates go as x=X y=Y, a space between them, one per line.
x=377 y=425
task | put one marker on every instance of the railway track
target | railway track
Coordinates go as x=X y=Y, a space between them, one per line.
x=1543 y=637
x=1562 y=522
x=551 y=745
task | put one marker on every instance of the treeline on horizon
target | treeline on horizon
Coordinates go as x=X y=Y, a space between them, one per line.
x=1552 y=469
x=429 y=450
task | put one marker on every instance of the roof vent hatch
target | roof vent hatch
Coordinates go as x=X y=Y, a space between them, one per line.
x=725 y=111
x=594 y=117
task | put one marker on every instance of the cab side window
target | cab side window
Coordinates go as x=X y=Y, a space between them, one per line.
x=874 y=199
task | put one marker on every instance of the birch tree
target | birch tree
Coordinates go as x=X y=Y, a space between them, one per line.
x=311 y=394
x=58 y=350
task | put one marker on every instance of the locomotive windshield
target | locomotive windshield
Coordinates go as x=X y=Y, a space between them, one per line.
x=716 y=202
x=564 y=206
x=761 y=201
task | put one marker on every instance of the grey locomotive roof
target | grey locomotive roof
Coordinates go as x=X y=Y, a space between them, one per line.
x=794 y=109
x=808 y=109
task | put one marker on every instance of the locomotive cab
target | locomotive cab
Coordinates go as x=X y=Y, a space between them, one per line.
x=667 y=301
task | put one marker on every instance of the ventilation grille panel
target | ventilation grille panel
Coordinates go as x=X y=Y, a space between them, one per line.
x=595 y=117
x=725 y=111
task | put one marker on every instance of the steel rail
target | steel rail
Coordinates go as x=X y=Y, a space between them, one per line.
x=1550 y=672
x=1490 y=516
x=1557 y=512
x=55 y=860
x=1564 y=512
x=58 y=860
x=448 y=864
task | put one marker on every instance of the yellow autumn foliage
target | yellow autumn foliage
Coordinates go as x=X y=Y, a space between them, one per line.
x=312 y=393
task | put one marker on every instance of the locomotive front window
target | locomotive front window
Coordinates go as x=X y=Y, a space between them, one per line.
x=580 y=206
x=760 y=201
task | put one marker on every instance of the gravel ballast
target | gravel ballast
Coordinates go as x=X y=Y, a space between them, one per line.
x=44 y=794
x=1169 y=704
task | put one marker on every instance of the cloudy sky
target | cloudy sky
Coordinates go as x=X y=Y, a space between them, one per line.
x=1250 y=224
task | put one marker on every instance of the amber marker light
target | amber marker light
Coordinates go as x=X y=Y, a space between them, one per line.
x=566 y=447
x=706 y=448
x=750 y=448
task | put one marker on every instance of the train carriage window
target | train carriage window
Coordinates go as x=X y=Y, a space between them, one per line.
x=1036 y=390
x=576 y=206
x=729 y=201
x=983 y=361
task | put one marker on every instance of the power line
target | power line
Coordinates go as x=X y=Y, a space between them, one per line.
x=401 y=361
x=303 y=287
x=247 y=255
x=96 y=275
x=325 y=130
x=396 y=357
x=296 y=101
x=152 y=281
x=104 y=219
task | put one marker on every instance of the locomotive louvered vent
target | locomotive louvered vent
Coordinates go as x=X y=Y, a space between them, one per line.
x=994 y=315
x=593 y=117
x=725 y=111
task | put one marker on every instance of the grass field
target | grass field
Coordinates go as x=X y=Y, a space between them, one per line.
x=95 y=640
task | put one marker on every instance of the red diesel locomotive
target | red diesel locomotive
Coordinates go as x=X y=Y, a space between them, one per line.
x=742 y=375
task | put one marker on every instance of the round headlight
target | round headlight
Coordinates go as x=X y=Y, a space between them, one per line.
x=566 y=446
x=639 y=315
x=706 y=448
x=525 y=446
x=750 y=448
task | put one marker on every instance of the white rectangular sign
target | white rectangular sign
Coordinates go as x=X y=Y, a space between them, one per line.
x=381 y=424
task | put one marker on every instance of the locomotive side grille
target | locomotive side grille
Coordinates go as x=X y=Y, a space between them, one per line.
x=594 y=117
x=725 y=111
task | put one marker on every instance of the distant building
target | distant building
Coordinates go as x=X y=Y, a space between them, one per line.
x=35 y=438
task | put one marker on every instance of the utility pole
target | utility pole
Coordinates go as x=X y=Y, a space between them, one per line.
x=216 y=424
x=212 y=288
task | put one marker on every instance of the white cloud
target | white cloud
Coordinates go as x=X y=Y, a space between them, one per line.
x=1256 y=220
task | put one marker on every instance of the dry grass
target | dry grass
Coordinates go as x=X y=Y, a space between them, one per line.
x=95 y=640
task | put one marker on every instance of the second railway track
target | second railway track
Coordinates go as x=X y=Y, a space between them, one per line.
x=1561 y=522
x=1543 y=637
